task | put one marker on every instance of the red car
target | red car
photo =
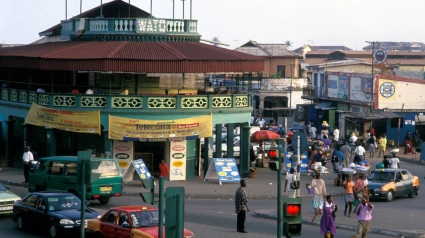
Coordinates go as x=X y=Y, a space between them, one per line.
x=128 y=222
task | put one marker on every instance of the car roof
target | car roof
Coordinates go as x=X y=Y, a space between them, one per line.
x=134 y=208
x=52 y=193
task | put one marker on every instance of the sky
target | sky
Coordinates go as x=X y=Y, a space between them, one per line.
x=235 y=22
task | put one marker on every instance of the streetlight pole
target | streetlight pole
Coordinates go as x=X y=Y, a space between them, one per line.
x=183 y=8
x=290 y=92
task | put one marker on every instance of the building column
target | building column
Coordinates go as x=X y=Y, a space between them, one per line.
x=208 y=153
x=244 y=163
x=10 y=141
x=107 y=144
x=218 y=140
x=51 y=141
x=230 y=137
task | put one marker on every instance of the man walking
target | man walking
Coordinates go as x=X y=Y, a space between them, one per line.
x=360 y=154
x=336 y=137
x=26 y=159
x=313 y=132
x=345 y=149
x=241 y=207
x=394 y=162
x=364 y=212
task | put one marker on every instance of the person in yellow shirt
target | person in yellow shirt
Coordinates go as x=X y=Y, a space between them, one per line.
x=382 y=144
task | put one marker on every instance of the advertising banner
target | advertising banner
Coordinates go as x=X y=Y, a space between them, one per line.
x=66 y=120
x=343 y=87
x=360 y=89
x=333 y=86
x=304 y=161
x=177 y=160
x=121 y=128
x=123 y=152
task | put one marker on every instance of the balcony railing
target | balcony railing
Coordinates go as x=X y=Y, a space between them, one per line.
x=309 y=92
x=110 y=101
x=131 y=26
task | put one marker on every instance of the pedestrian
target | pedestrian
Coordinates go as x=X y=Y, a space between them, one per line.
x=90 y=90
x=325 y=130
x=241 y=207
x=348 y=195
x=360 y=187
x=290 y=177
x=319 y=192
x=326 y=142
x=313 y=132
x=294 y=160
x=345 y=149
x=364 y=213
x=327 y=223
x=359 y=154
x=26 y=159
x=382 y=144
x=336 y=137
x=353 y=139
x=124 y=90
x=386 y=162
x=163 y=169
x=394 y=162
x=371 y=142
x=408 y=144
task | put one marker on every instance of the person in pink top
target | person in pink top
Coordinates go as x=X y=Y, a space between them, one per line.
x=364 y=213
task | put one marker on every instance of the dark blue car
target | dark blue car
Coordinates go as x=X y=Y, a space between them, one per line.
x=57 y=213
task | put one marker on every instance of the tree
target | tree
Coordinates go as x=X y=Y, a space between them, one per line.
x=288 y=44
x=215 y=38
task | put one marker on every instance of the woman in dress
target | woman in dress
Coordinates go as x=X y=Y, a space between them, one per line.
x=327 y=223
x=319 y=192
x=382 y=146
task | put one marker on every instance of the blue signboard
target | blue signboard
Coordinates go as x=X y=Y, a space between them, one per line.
x=227 y=170
x=142 y=170
x=304 y=161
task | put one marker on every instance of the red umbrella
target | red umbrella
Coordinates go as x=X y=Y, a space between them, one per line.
x=263 y=135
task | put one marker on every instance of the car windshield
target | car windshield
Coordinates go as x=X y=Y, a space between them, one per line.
x=2 y=188
x=63 y=203
x=381 y=176
x=107 y=168
x=145 y=218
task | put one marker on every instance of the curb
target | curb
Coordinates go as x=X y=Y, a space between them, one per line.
x=379 y=231
x=413 y=161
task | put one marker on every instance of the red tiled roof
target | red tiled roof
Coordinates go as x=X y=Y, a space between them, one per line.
x=67 y=55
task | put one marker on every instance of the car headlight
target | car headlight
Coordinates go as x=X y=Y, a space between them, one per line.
x=66 y=222
x=99 y=216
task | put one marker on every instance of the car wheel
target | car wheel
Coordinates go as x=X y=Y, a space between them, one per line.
x=411 y=193
x=53 y=231
x=20 y=223
x=104 y=200
x=390 y=196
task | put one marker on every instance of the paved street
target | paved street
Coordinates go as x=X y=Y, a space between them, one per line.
x=206 y=218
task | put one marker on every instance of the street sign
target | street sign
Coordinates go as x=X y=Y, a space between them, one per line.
x=380 y=56
x=225 y=170
x=303 y=141
x=303 y=165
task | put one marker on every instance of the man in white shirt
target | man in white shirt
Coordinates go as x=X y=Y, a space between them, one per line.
x=90 y=90
x=394 y=162
x=261 y=123
x=313 y=132
x=360 y=153
x=26 y=159
x=336 y=137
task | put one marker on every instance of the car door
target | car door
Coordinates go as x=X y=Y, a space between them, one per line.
x=407 y=181
x=55 y=176
x=120 y=231
x=40 y=215
x=109 y=224
x=27 y=210
x=399 y=184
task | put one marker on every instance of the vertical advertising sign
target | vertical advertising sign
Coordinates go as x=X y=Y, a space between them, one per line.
x=333 y=86
x=123 y=152
x=343 y=87
x=177 y=160
x=304 y=161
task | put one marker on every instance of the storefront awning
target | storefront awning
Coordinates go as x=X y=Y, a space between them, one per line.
x=325 y=106
x=372 y=115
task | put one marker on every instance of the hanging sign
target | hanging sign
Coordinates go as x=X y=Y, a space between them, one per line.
x=380 y=56
x=66 y=120
x=177 y=160
x=121 y=128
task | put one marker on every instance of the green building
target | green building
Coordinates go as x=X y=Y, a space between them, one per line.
x=122 y=62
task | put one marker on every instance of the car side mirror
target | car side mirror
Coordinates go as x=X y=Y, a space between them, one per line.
x=41 y=208
x=126 y=225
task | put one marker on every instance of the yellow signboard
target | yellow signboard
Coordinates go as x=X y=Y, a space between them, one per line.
x=67 y=120
x=121 y=128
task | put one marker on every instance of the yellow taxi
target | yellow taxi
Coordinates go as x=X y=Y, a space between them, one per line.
x=128 y=222
x=391 y=183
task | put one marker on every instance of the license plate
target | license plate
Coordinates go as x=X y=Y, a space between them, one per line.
x=6 y=208
x=105 y=189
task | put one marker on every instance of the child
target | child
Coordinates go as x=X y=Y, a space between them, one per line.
x=327 y=223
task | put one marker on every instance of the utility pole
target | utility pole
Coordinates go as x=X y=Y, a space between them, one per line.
x=66 y=9
x=373 y=74
x=290 y=92
x=173 y=9
x=183 y=7
x=81 y=6
x=190 y=9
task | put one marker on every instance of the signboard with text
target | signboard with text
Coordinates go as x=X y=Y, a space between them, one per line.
x=123 y=152
x=177 y=160
x=304 y=161
x=141 y=169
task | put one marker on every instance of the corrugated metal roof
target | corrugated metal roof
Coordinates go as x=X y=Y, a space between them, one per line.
x=130 y=56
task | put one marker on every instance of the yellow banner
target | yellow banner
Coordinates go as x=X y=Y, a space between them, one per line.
x=67 y=120
x=121 y=128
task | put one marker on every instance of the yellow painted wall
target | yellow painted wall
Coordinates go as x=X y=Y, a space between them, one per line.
x=407 y=93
